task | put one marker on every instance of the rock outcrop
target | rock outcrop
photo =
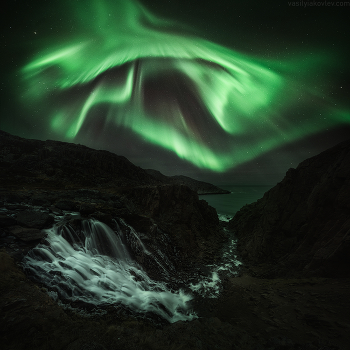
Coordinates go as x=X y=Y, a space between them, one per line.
x=302 y=225
x=167 y=218
x=43 y=179
x=189 y=222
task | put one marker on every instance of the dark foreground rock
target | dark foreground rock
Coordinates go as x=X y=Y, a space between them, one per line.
x=302 y=225
x=251 y=314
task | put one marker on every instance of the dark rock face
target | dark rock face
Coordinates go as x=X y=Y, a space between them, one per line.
x=175 y=209
x=172 y=219
x=198 y=186
x=303 y=223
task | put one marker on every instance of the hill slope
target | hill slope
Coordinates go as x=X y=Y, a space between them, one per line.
x=200 y=187
x=64 y=165
x=302 y=224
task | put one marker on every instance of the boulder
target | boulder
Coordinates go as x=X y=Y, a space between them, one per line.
x=34 y=219
x=41 y=200
x=66 y=205
x=6 y=220
x=26 y=234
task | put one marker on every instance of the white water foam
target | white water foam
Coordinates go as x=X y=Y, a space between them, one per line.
x=94 y=266
x=209 y=287
x=225 y=217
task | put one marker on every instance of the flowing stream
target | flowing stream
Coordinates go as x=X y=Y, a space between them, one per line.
x=93 y=265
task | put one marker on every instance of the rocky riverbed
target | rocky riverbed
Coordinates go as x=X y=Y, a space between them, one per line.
x=261 y=305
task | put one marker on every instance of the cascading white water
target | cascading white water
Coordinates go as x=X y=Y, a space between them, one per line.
x=164 y=270
x=94 y=266
x=209 y=286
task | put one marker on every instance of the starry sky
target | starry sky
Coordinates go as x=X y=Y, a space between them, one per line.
x=222 y=91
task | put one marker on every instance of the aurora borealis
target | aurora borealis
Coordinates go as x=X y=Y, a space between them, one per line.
x=130 y=81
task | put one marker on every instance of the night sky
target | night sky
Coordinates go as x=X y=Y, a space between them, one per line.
x=222 y=91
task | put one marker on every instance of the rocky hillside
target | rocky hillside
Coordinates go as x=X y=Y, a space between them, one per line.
x=54 y=164
x=302 y=225
x=198 y=186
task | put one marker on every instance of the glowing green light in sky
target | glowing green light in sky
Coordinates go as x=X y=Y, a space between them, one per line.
x=122 y=57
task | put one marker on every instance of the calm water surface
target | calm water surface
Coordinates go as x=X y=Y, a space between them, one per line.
x=229 y=204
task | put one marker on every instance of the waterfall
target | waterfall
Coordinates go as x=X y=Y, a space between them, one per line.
x=93 y=265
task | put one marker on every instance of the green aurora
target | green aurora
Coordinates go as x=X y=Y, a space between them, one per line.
x=211 y=106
